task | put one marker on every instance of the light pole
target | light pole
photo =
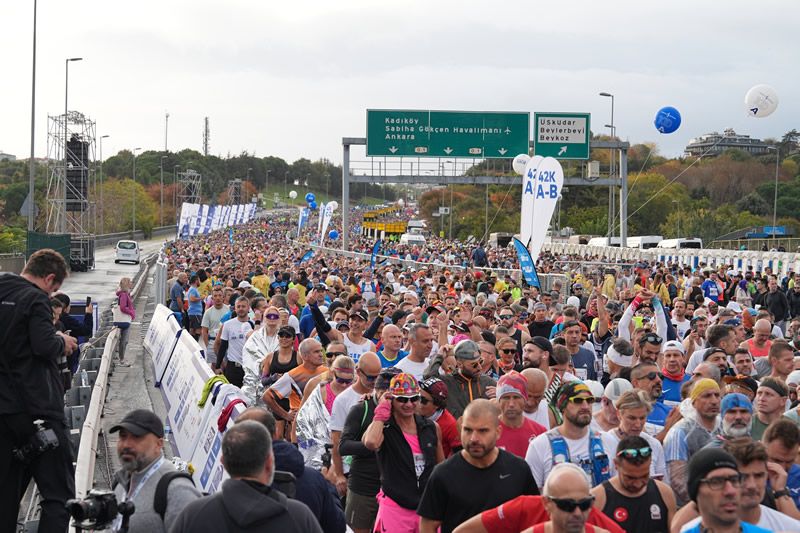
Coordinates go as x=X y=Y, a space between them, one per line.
x=66 y=100
x=775 y=201
x=31 y=202
x=679 y=216
x=102 y=207
x=285 y=186
x=247 y=178
x=134 y=189
x=175 y=188
x=611 y=171
x=163 y=157
x=266 y=189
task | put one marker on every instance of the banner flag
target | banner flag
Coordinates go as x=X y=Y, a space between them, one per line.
x=541 y=189
x=326 y=220
x=375 y=250
x=526 y=264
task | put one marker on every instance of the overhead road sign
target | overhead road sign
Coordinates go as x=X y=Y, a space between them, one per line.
x=415 y=133
x=561 y=135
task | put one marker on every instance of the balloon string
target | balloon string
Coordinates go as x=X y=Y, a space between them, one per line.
x=497 y=212
x=681 y=174
x=614 y=220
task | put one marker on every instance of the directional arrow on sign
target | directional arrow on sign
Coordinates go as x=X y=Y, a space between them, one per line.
x=448 y=150
x=393 y=149
x=563 y=149
x=502 y=151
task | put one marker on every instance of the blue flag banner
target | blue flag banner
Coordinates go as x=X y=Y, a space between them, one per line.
x=526 y=264
x=307 y=256
x=375 y=250
x=230 y=235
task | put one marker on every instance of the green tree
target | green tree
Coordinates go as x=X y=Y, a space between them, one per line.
x=753 y=203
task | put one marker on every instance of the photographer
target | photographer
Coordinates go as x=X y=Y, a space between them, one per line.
x=31 y=390
x=141 y=436
x=75 y=326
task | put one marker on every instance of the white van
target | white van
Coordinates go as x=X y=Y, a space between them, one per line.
x=679 y=244
x=410 y=239
x=127 y=251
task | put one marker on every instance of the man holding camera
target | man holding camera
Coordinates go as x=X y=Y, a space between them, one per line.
x=145 y=472
x=33 y=436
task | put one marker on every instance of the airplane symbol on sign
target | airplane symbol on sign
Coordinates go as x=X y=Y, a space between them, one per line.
x=507 y=130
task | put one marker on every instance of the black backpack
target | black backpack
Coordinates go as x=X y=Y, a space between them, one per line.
x=160 y=498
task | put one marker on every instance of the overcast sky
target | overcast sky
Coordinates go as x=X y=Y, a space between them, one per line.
x=292 y=78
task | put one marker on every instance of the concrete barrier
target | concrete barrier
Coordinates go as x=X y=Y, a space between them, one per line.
x=12 y=263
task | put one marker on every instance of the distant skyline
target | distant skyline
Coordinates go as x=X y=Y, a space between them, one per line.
x=291 y=80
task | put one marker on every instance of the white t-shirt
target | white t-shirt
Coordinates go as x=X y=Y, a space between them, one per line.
x=658 y=465
x=770 y=520
x=540 y=455
x=695 y=359
x=540 y=416
x=211 y=320
x=235 y=333
x=411 y=367
x=356 y=350
x=341 y=407
x=681 y=327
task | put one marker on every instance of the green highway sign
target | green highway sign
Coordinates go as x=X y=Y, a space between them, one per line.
x=410 y=133
x=561 y=135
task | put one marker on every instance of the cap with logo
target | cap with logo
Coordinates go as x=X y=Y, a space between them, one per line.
x=141 y=422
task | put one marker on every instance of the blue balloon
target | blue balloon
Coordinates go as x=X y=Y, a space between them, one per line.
x=312 y=205
x=310 y=197
x=333 y=234
x=668 y=120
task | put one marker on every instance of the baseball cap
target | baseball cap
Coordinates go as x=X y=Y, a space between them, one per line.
x=793 y=380
x=512 y=383
x=398 y=315
x=385 y=377
x=435 y=306
x=615 y=388
x=468 y=350
x=597 y=391
x=141 y=422
x=343 y=323
x=435 y=387
x=245 y=284
x=360 y=314
x=729 y=401
x=673 y=345
x=404 y=385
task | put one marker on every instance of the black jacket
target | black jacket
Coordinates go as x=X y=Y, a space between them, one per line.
x=777 y=304
x=794 y=303
x=246 y=506
x=29 y=375
x=365 y=475
x=312 y=488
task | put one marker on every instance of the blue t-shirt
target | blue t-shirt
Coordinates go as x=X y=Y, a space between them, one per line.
x=306 y=324
x=583 y=361
x=793 y=484
x=672 y=389
x=195 y=308
x=175 y=293
x=385 y=363
x=657 y=418
x=746 y=528
x=710 y=290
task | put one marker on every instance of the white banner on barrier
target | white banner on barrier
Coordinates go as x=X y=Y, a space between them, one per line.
x=160 y=338
x=196 y=218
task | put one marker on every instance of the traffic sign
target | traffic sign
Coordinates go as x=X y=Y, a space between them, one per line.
x=561 y=135
x=414 y=133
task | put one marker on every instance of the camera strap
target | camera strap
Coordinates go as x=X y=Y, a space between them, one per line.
x=145 y=478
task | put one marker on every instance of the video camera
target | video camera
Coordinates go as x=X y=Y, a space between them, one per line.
x=326 y=456
x=99 y=511
x=42 y=440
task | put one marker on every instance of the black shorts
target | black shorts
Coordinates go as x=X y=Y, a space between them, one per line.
x=195 y=321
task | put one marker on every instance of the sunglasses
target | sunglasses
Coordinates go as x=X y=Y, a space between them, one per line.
x=653 y=339
x=369 y=378
x=403 y=399
x=342 y=381
x=272 y=316
x=578 y=400
x=476 y=364
x=424 y=401
x=633 y=453
x=331 y=355
x=508 y=350
x=506 y=317
x=653 y=375
x=285 y=336
x=568 y=505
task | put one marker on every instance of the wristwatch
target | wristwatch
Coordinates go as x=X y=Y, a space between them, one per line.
x=780 y=493
x=258 y=322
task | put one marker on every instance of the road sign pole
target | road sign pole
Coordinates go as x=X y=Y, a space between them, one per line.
x=345 y=197
x=623 y=200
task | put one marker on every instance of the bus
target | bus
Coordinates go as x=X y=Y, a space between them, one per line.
x=677 y=244
x=644 y=242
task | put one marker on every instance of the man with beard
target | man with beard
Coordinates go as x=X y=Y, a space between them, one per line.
x=737 y=419
x=500 y=475
x=647 y=377
x=632 y=498
x=573 y=441
x=467 y=382
x=141 y=437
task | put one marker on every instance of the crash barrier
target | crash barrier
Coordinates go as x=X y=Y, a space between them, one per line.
x=779 y=262
x=84 y=406
x=180 y=372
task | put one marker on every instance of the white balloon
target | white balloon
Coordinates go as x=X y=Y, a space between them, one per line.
x=401 y=202
x=761 y=101
x=334 y=204
x=520 y=162
x=292 y=194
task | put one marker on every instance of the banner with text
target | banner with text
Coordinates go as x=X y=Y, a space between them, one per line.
x=200 y=219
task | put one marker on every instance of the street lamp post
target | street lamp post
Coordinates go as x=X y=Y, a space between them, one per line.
x=285 y=184
x=134 y=189
x=266 y=189
x=611 y=171
x=32 y=170
x=102 y=206
x=66 y=139
x=679 y=216
x=163 y=157
x=247 y=179
x=175 y=187
x=775 y=201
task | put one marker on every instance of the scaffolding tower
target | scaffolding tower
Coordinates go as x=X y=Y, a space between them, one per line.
x=72 y=186
x=235 y=192
x=188 y=190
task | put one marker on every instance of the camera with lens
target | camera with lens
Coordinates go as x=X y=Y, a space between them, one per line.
x=326 y=456
x=99 y=510
x=42 y=440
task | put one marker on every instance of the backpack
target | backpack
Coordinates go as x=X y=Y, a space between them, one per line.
x=160 y=498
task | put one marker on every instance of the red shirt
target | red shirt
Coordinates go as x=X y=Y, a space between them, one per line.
x=516 y=440
x=526 y=511
x=450 y=437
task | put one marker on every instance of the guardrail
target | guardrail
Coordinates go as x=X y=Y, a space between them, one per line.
x=85 y=467
x=779 y=262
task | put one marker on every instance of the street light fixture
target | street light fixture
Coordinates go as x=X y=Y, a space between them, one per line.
x=161 y=165
x=611 y=171
x=679 y=216
x=102 y=206
x=32 y=169
x=66 y=139
x=775 y=201
x=134 y=189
